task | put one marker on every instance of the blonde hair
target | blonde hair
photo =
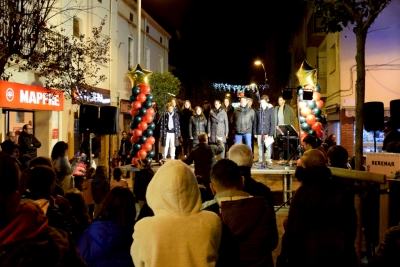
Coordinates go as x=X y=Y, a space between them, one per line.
x=313 y=158
x=190 y=105
x=241 y=155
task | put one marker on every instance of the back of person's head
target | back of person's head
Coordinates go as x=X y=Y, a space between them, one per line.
x=313 y=158
x=41 y=161
x=117 y=173
x=202 y=137
x=40 y=181
x=59 y=150
x=25 y=127
x=338 y=156
x=310 y=140
x=241 y=155
x=77 y=202
x=9 y=196
x=101 y=170
x=8 y=147
x=119 y=205
x=389 y=125
x=225 y=175
x=90 y=172
x=146 y=164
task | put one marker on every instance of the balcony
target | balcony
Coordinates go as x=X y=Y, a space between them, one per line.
x=315 y=31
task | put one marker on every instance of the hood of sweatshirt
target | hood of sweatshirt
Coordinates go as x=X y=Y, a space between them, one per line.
x=174 y=189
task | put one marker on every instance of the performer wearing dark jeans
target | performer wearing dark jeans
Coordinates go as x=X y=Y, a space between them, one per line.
x=185 y=115
x=284 y=115
x=124 y=149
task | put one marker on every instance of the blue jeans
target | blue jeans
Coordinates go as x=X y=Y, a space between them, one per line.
x=246 y=138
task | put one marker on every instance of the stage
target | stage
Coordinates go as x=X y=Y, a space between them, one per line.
x=280 y=179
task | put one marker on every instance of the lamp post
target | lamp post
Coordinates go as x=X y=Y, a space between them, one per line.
x=258 y=62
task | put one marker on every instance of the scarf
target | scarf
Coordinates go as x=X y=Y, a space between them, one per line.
x=170 y=121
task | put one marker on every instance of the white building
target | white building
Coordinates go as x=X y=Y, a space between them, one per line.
x=51 y=126
x=333 y=55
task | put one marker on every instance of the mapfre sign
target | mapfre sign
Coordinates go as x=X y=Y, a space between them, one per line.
x=23 y=96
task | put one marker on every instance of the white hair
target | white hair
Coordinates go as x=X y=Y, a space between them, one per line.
x=241 y=155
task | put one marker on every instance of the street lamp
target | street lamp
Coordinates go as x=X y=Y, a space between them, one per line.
x=258 y=62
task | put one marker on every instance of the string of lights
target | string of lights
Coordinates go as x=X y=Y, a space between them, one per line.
x=240 y=88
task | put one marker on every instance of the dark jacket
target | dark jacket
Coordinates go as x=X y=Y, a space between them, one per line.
x=128 y=146
x=184 y=120
x=218 y=125
x=265 y=122
x=33 y=243
x=252 y=225
x=244 y=119
x=288 y=116
x=321 y=222
x=387 y=254
x=203 y=156
x=96 y=147
x=230 y=112
x=164 y=128
x=105 y=243
x=197 y=126
x=100 y=188
x=28 y=144
x=394 y=135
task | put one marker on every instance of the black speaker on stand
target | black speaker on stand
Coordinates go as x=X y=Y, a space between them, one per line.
x=108 y=122
x=374 y=118
x=395 y=113
x=88 y=118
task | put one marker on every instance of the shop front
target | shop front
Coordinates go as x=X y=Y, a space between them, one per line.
x=39 y=107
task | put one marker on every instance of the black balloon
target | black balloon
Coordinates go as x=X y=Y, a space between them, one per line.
x=148 y=133
x=133 y=125
x=317 y=111
x=147 y=104
x=137 y=119
x=151 y=126
x=302 y=119
x=132 y=152
x=312 y=132
x=149 y=97
x=318 y=118
x=150 y=154
x=142 y=111
x=311 y=104
x=132 y=98
x=317 y=88
x=305 y=126
x=137 y=146
x=142 y=139
x=135 y=91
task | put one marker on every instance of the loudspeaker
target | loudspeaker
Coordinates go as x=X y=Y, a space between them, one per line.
x=88 y=118
x=108 y=123
x=373 y=116
x=395 y=113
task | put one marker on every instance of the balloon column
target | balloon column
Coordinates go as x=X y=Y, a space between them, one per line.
x=309 y=109
x=142 y=124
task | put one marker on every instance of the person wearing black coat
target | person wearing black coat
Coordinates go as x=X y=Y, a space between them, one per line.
x=197 y=125
x=230 y=113
x=184 y=119
x=264 y=128
x=124 y=149
x=244 y=119
x=218 y=125
x=28 y=142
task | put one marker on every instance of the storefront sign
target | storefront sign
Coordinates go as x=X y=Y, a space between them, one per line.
x=96 y=96
x=24 y=96
x=384 y=163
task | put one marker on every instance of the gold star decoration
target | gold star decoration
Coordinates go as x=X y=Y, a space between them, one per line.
x=139 y=75
x=307 y=74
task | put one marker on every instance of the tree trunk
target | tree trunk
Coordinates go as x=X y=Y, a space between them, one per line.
x=360 y=98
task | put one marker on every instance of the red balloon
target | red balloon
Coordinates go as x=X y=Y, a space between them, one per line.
x=299 y=162
x=310 y=119
x=305 y=111
x=147 y=118
x=142 y=153
x=142 y=126
x=135 y=161
x=303 y=134
x=141 y=97
x=302 y=104
x=316 y=96
x=134 y=139
x=151 y=140
x=137 y=132
x=317 y=127
x=320 y=134
x=319 y=104
x=144 y=88
x=147 y=147
x=150 y=111
x=136 y=105
x=134 y=112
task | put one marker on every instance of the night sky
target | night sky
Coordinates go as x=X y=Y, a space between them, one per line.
x=221 y=39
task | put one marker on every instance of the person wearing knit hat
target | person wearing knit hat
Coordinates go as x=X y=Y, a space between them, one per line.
x=178 y=234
